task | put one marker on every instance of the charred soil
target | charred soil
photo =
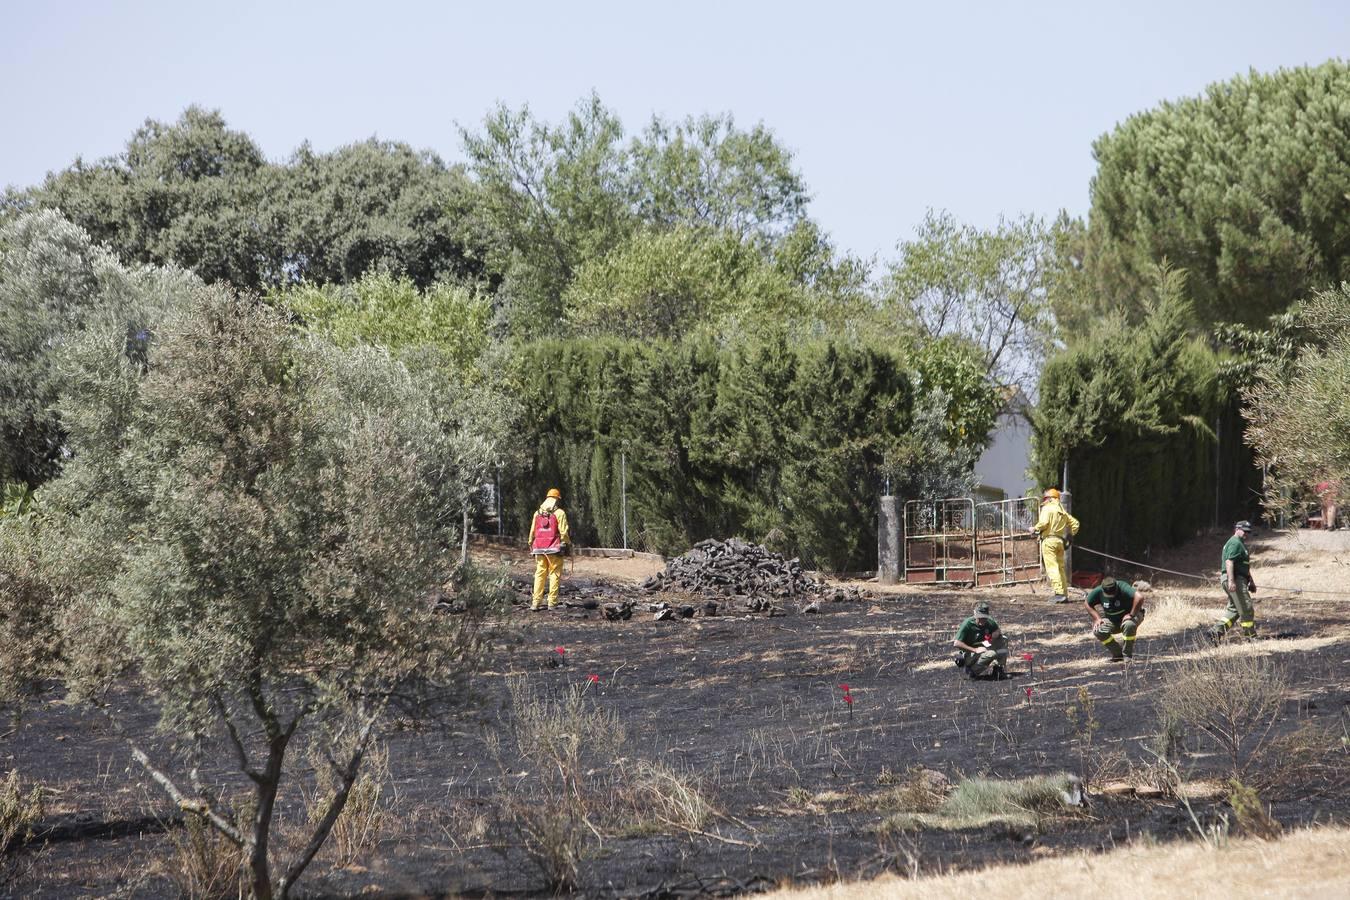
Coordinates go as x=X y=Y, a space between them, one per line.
x=748 y=710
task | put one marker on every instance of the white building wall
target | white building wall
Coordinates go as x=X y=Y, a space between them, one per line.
x=1003 y=467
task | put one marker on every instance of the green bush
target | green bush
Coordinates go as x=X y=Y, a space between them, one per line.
x=1132 y=412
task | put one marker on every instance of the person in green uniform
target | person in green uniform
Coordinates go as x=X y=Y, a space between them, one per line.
x=1237 y=584
x=981 y=643
x=1117 y=608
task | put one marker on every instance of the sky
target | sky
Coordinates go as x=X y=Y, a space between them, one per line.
x=890 y=109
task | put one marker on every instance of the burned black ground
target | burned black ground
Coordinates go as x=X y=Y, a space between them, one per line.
x=751 y=708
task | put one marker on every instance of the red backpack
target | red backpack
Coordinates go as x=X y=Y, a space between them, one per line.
x=546 y=537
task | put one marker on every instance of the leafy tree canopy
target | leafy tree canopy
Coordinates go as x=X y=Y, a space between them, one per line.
x=568 y=206
x=199 y=195
x=391 y=311
x=984 y=287
x=1246 y=187
x=55 y=283
x=705 y=171
x=1298 y=410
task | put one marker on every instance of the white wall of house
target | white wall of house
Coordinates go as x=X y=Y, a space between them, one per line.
x=1003 y=467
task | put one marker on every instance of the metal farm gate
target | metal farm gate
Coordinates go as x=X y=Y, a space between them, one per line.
x=957 y=541
x=940 y=540
x=1006 y=552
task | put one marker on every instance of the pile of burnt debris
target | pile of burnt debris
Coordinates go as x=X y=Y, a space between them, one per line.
x=741 y=575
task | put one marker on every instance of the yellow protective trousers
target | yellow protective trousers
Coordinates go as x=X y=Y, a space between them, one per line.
x=1052 y=555
x=547 y=570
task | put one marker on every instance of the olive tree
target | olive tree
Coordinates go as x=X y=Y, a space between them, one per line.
x=55 y=282
x=250 y=532
x=1298 y=410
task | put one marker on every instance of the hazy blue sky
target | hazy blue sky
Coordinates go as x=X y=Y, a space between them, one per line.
x=890 y=108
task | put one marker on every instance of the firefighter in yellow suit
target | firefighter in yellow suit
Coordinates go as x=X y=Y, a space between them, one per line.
x=549 y=542
x=1055 y=528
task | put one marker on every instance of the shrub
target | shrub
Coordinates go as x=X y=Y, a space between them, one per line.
x=564 y=741
x=1232 y=699
x=1253 y=818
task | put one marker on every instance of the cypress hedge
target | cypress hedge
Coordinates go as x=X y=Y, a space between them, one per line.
x=778 y=444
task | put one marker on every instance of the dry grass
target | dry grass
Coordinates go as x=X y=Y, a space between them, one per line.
x=364 y=819
x=1241 y=869
x=204 y=864
x=977 y=802
x=1171 y=613
x=581 y=790
x=662 y=798
x=921 y=791
x=20 y=808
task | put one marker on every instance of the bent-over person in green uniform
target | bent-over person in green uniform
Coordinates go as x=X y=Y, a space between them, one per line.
x=981 y=643
x=1117 y=608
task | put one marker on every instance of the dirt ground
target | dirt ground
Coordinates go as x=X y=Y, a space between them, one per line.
x=749 y=711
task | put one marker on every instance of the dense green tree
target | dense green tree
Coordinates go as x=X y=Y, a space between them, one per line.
x=552 y=198
x=669 y=284
x=55 y=283
x=567 y=208
x=199 y=195
x=1246 y=187
x=770 y=440
x=697 y=282
x=374 y=205
x=1129 y=411
x=391 y=311
x=251 y=527
x=187 y=194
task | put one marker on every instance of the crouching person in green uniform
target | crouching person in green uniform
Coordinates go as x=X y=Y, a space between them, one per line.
x=981 y=643
x=1117 y=608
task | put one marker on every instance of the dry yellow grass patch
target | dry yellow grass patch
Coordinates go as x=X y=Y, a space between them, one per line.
x=1064 y=638
x=1236 y=647
x=1171 y=613
x=1312 y=861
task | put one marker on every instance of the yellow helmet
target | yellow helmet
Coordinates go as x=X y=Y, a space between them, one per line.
x=554 y=493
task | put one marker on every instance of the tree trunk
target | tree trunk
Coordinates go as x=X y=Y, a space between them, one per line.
x=347 y=777
x=267 y=785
